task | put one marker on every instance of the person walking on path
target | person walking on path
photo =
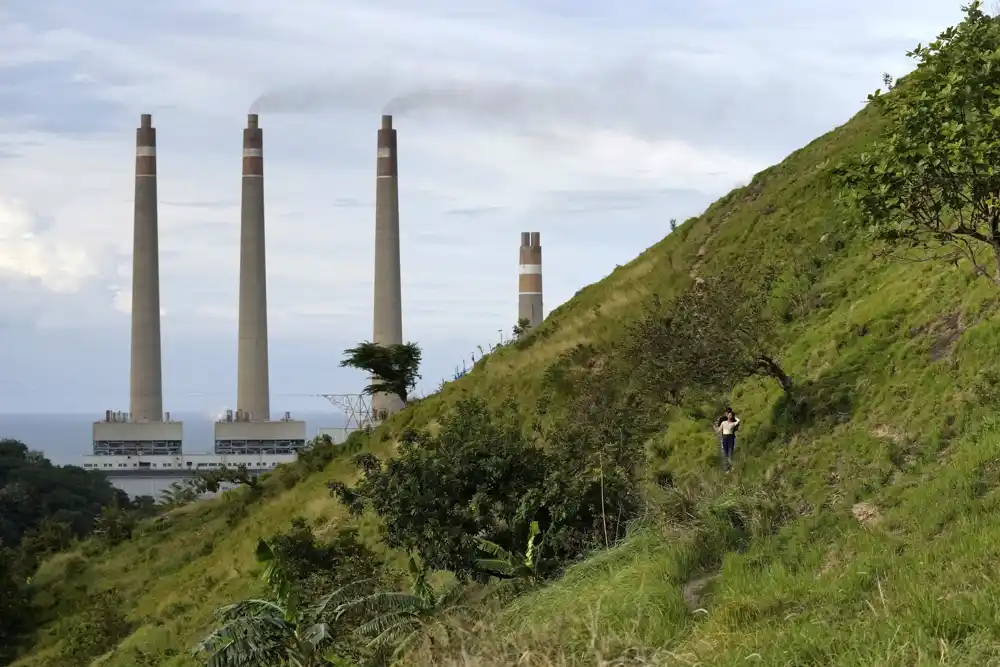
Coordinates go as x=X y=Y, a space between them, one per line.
x=727 y=427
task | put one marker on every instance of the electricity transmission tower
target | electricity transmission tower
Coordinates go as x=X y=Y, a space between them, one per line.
x=357 y=409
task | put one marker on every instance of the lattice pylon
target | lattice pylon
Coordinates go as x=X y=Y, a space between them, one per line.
x=357 y=408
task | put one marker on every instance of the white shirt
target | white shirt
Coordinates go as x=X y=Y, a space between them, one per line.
x=727 y=426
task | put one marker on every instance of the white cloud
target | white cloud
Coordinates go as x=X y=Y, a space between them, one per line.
x=635 y=113
x=27 y=251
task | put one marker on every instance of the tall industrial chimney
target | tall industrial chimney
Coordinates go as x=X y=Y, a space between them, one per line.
x=529 y=281
x=388 y=315
x=252 y=391
x=146 y=381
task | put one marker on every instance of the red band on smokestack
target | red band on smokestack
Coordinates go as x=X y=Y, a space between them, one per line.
x=146 y=373
x=529 y=280
x=387 y=166
x=530 y=254
x=253 y=148
x=145 y=147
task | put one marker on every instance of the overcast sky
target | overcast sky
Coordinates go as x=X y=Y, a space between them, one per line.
x=591 y=122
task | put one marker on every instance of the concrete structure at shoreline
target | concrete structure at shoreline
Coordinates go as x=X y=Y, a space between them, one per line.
x=152 y=475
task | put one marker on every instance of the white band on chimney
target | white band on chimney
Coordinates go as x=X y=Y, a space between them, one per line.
x=145 y=151
x=252 y=152
x=386 y=176
x=530 y=269
x=383 y=151
x=253 y=175
x=529 y=293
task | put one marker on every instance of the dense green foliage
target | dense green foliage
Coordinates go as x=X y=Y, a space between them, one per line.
x=933 y=184
x=15 y=601
x=394 y=368
x=32 y=490
x=714 y=335
x=44 y=509
x=288 y=627
x=481 y=476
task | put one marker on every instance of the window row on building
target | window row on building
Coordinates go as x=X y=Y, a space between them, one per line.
x=258 y=446
x=137 y=448
x=187 y=465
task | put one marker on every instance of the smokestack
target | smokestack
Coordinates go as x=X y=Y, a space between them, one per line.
x=252 y=390
x=146 y=380
x=388 y=320
x=529 y=281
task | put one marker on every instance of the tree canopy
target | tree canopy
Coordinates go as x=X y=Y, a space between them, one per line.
x=931 y=185
x=715 y=334
x=480 y=476
x=43 y=508
x=32 y=490
x=394 y=368
x=302 y=619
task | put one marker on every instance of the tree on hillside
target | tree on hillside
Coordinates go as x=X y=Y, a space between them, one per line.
x=716 y=333
x=182 y=493
x=15 y=604
x=445 y=488
x=279 y=629
x=33 y=490
x=481 y=475
x=321 y=566
x=931 y=187
x=394 y=368
x=521 y=327
x=114 y=525
x=211 y=480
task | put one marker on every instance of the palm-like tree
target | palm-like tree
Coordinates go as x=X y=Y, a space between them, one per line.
x=181 y=493
x=278 y=630
x=397 y=618
x=394 y=368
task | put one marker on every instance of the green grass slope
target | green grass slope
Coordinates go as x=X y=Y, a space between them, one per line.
x=861 y=530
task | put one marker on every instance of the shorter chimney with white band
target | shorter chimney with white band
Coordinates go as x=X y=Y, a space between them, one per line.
x=529 y=279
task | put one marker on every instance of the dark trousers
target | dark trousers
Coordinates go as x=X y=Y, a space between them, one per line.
x=728 y=445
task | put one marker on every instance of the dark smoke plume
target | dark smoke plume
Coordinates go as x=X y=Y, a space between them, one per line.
x=511 y=101
x=506 y=100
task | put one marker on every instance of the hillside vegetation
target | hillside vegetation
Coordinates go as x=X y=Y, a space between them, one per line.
x=859 y=527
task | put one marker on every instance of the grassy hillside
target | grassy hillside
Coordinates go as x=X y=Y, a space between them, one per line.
x=858 y=530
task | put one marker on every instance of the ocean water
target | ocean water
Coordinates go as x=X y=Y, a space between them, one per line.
x=65 y=438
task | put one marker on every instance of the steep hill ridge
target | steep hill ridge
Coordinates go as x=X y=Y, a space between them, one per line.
x=868 y=532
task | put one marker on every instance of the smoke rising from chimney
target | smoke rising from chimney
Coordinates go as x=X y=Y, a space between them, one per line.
x=491 y=99
x=631 y=95
x=519 y=102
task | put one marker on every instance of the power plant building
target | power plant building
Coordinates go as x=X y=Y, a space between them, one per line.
x=141 y=451
x=529 y=279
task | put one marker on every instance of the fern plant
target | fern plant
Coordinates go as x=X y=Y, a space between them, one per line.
x=398 y=619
